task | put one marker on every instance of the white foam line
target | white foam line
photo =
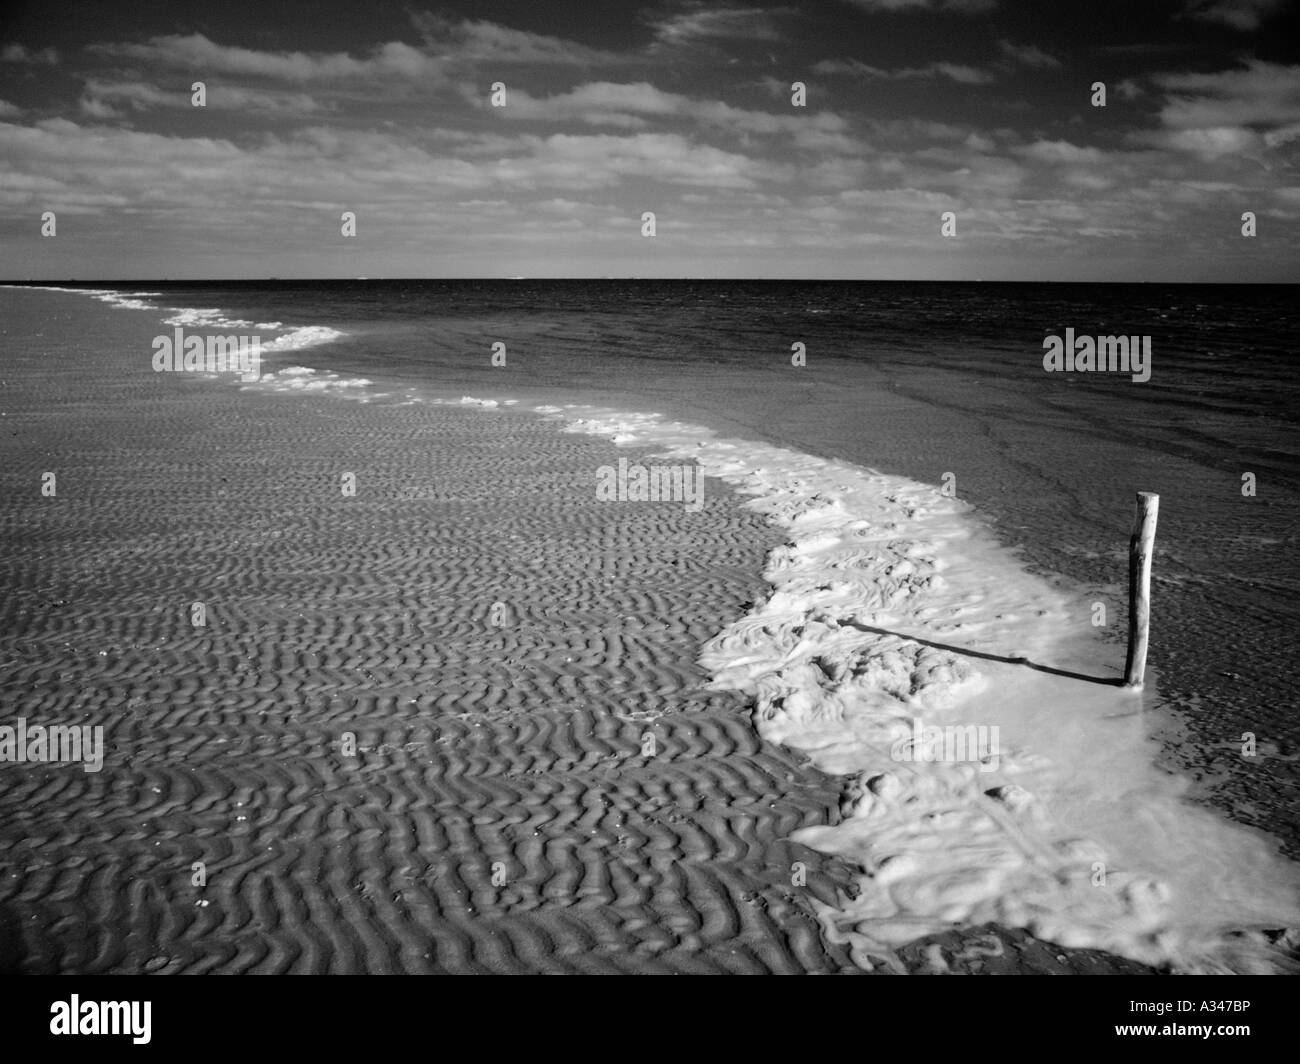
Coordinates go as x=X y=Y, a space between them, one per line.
x=305 y=379
x=303 y=336
x=111 y=296
x=296 y=338
x=881 y=598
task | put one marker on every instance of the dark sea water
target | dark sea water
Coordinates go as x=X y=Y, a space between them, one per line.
x=928 y=379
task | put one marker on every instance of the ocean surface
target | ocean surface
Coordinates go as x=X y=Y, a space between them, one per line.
x=942 y=384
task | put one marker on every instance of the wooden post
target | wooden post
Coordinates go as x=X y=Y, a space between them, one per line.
x=1139 y=586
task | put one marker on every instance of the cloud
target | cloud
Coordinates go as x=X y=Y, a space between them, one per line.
x=1060 y=151
x=475 y=41
x=905 y=129
x=851 y=67
x=1028 y=55
x=700 y=22
x=965 y=75
x=1208 y=143
x=8 y=110
x=567 y=161
x=1260 y=94
x=199 y=55
x=319 y=167
x=631 y=106
x=104 y=99
x=596 y=103
x=446 y=45
x=16 y=53
x=1246 y=110
x=963 y=7
x=1275 y=138
x=1244 y=15
x=95 y=107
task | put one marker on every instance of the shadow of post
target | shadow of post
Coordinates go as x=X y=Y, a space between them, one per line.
x=1104 y=681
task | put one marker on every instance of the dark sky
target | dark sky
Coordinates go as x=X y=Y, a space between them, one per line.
x=913 y=108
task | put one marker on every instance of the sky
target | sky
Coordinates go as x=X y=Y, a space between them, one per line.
x=982 y=110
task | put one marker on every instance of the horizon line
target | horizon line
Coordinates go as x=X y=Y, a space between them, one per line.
x=717 y=280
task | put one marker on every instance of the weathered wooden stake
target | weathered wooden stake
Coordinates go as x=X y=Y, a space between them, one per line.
x=1139 y=586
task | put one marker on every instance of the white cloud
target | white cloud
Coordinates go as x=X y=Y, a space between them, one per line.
x=596 y=103
x=475 y=41
x=16 y=53
x=1060 y=151
x=1244 y=15
x=629 y=106
x=965 y=75
x=964 y=7
x=96 y=108
x=325 y=165
x=1275 y=138
x=567 y=161
x=1211 y=115
x=1210 y=143
x=701 y=22
x=1028 y=55
x=852 y=67
x=102 y=99
x=198 y=54
x=1257 y=95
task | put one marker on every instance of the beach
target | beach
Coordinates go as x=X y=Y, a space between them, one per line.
x=387 y=686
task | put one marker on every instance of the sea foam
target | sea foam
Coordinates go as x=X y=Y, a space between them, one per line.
x=292 y=338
